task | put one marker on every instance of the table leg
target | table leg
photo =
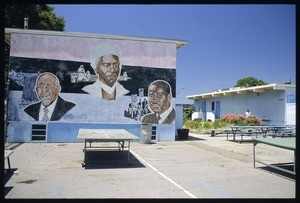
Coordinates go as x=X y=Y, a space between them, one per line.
x=119 y=144
x=8 y=162
x=254 y=144
x=295 y=162
x=233 y=135
x=84 y=154
x=128 y=150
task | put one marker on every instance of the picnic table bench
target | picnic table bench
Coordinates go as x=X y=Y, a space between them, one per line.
x=221 y=131
x=7 y=153
x=264 y=131
x=282 y=133
x=248 y=134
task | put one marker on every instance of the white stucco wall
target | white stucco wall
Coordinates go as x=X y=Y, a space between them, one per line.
x=291 y=114
x=179 y=117
x=270 y=104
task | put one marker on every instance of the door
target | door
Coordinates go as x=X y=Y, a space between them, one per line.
x=218 y=109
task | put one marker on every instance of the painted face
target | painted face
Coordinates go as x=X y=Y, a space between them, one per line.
x=47 y=90
x=159 y=101
x=109 y=69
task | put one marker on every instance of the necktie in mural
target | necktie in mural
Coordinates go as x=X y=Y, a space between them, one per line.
x=157 y=118
x=45 y=117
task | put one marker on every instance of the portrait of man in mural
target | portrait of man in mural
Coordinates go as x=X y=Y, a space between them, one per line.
x=160 y=97
x=51 y=107
x=106 y=64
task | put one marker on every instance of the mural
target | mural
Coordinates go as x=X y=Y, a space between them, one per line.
x=106 y=64
x=138 y=106
x=100 y=82
x=51 y=107
x=160 y=97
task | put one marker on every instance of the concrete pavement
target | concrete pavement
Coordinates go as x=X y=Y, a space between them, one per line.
x=201 y=167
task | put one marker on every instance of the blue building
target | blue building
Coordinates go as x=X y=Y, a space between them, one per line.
x=273 y=103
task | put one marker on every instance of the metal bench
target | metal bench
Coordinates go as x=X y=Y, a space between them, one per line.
x=233 y=132
x=221 y=131
x=249 y=133
x=6 y=156
x=282 y=133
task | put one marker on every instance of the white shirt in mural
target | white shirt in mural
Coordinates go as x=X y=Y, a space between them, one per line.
x=95 y=89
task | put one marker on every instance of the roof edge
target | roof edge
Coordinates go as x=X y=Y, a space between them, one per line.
x=239 y=90
x=9 y=31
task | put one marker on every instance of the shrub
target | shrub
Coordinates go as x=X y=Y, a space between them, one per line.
x=195 y=124
x=241 y=120
x=234 y=119
x=219 y=123
x=207 y=125
x=252 y=120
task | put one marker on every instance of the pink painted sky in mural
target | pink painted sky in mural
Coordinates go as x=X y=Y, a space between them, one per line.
x=79 y=49
x=225 y=42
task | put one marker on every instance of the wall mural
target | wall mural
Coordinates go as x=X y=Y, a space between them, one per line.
x=160 y=102
x=51 y=107
x=106 y=64
x=102 y=89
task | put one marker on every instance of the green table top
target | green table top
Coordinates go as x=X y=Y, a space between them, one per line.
x=286 y=142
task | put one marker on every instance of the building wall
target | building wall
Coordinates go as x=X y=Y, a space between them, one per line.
x=290 y=114
x=179 y=117
x=70 y=59
x=270 y=104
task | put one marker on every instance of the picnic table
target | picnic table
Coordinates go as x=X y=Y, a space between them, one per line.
x=120 y=136
x=281 y=130
x=264 y=130
x=288 y=143
x=251 y=131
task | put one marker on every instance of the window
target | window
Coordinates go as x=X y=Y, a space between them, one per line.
x=213 y=106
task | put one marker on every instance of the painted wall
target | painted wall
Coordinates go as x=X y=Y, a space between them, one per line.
x=290 y=114
x=270 y=104
x=81 y=102
x=179 y=117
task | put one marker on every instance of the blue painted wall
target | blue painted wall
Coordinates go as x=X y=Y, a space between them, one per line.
x=67 y=132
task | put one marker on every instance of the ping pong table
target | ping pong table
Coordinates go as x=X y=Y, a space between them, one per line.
x=288 y=143
x=120 y=136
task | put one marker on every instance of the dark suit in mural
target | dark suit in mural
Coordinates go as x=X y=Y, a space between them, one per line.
x=154 y=118
x=60 y=109
x=160 y=96
x=51 y=107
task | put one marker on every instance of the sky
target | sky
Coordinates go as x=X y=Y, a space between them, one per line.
x=225 y=43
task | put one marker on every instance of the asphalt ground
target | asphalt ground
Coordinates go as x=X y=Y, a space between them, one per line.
x=200 y=167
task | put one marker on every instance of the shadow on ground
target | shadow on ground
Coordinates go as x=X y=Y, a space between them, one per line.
x=287 y=166
x=7 y=175
x=110 y=160
x=13 y=146
x=190 y=138
x=238 y=141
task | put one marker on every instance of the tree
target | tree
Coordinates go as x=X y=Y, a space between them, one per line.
x=187 y=112
x=249 y=82
x=40 y=16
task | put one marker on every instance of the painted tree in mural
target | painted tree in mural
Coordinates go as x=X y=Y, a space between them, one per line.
x=249 y=82
x=40 y=17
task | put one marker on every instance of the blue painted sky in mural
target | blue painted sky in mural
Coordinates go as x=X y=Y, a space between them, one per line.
x=225 y=42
